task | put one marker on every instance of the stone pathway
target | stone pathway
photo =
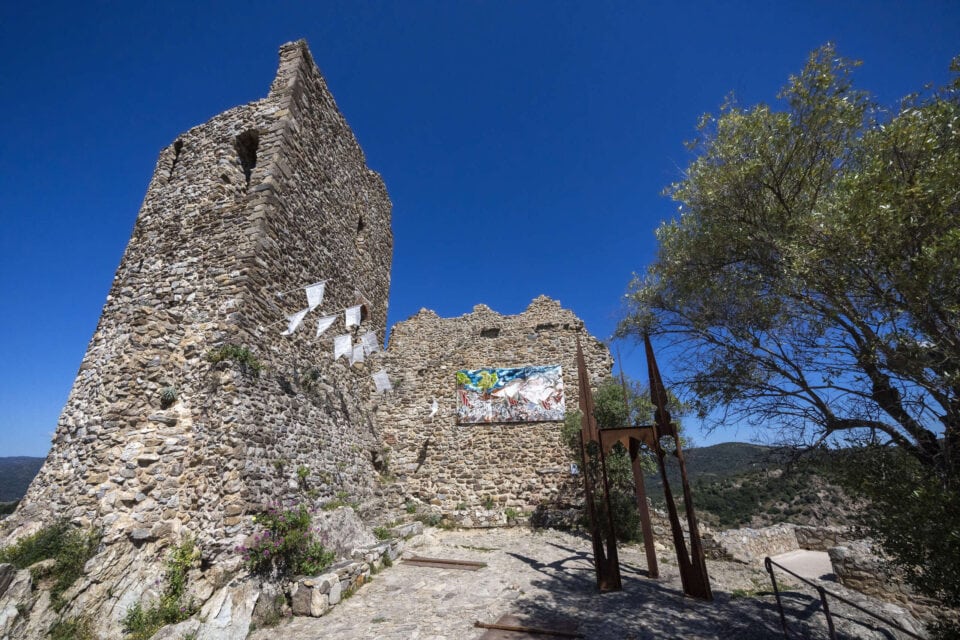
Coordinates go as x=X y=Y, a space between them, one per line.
x=813 y=565
x=548 y=574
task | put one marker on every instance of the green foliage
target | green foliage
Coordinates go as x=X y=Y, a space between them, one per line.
x=810 y=281
x=611 y=410
x=810 y=278
x=912 y=511
x=382 y=533
x=286 y=545
x=7 y=508
x=168 y=395
x=61 y=541
x=487 y=502
x=303 y=472
x=80 y=628
x=141 y=623
x=511 y=513
x=249 y=365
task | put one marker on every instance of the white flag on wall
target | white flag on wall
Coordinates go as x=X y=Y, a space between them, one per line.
x=294 y=321
x=369 y=341
x=382 y=381
x=324 y=323
x=315 y=294
x=434 y=407
x=342 y=346
x=352 y=316
x=357 y=355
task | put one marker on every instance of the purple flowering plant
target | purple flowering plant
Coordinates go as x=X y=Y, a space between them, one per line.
x=285 y=544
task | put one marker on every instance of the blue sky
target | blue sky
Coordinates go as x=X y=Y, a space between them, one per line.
x=536 y=135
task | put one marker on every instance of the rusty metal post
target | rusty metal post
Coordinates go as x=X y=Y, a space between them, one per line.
x=826 y=612
x=697 y=582
x=608 y=563
x=639 y=489
x=646 y=527
x=776 y=592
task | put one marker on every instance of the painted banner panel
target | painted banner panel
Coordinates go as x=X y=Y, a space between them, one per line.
x=520 y=394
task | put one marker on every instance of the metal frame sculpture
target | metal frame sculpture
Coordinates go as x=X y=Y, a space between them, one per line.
x=692 y=565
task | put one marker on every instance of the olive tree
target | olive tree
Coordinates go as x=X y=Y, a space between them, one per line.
x=810 y=283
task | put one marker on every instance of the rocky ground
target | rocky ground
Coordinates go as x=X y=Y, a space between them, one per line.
x=539 y=576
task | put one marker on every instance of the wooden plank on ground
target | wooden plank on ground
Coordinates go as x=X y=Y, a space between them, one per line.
x=511 y=627
x=444 y=563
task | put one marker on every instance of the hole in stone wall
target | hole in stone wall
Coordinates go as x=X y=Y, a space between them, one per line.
x=177 y=148
x=247 y=143
x=360 y=225
x=493 y=332
x=546 y=326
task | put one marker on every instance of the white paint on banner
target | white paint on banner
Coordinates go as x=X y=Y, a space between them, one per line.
x=434 y=407
x=294 y=321
x=315 y=294
x=342 y=346
x=324 y=323
x=352 y=316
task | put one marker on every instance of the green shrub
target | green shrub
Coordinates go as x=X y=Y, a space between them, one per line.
x=382 y=533
x=249 y=365
x=73 y=629
x=68 y=546
x=142 y=623
x=286 y=545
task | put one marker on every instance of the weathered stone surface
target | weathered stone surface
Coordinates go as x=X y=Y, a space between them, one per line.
x=241 y=213
x=472 y=473
x=342 y=531
x=15 y=598
x=227 y=615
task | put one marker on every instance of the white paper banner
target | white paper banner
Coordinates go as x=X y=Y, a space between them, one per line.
x=315 y=294
x=342 y=346
x=353 y=316
x=434 y=407
x=324 y=323
x=294 y=321
x=357 y=355
x=382 y=381
x=369 y=341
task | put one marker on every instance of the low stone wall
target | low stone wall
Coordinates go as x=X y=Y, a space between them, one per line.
x=859 y=566
x=751 y=546
x=314 y=596
x=820 y=538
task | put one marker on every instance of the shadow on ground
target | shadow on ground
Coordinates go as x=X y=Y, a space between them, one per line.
x=647 y=608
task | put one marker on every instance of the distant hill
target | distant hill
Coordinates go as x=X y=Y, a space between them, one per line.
x=16 y=474
x=736 y=484
x=714 y=463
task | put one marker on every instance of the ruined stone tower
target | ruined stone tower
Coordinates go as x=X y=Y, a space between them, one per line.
x=156 y=440
x=196 y=406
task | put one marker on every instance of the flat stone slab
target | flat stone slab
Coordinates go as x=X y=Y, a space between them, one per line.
x=813 y=565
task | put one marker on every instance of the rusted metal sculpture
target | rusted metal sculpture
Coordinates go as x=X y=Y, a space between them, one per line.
x=606 y=560
x=632 y=438
x=693 y=567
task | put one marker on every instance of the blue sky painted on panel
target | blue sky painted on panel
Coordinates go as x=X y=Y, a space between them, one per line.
x=541 y=132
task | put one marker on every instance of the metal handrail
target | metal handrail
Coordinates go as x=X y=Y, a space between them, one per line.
x=769 y=564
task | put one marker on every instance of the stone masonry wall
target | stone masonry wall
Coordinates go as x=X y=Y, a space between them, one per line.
x=241 y=213
x=472 y=473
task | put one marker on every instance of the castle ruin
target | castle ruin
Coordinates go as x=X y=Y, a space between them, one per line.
x=192 y=410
